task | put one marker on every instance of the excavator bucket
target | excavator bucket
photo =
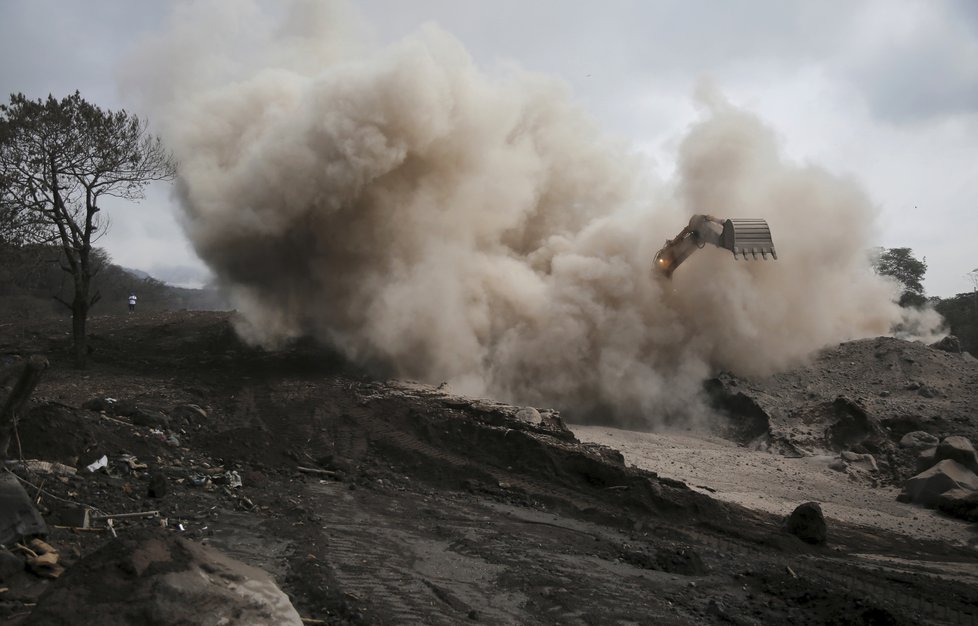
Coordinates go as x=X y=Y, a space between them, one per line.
x=748 y=238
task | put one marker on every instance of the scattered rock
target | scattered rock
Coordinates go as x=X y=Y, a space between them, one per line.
x=926 y=391
x=157 y=486
x=926 y=459
x=155 y=577
x=188 y=414
x=10 y=565
x=140 y=417
x=683 y=561
x=853 y=426
x=807 y=523
x=100 y=405
x=529 y=415
x=865 y=461
x=838 y=465
x=918 y=439
x=19 y=517
x=948 y=344
x=927 y=487
x=958 y=449
x=959 y=503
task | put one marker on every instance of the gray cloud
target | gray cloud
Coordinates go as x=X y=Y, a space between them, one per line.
x=632 y=64
x=922 y=79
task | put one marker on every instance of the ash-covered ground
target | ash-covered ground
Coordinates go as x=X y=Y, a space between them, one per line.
x=373 y=502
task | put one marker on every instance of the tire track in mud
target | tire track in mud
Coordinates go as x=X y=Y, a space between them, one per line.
x=382 y=586
x=376 y=569
x=399 y=571
x=832 y=572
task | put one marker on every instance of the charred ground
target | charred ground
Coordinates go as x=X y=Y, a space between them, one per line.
x=386 y=502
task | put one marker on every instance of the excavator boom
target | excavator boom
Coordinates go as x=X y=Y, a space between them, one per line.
x=745 y=237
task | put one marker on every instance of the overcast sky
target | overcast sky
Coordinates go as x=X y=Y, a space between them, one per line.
x=884 y=91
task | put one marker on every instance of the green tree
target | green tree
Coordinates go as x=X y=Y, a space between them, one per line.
x=58 y=159
x=901 y=264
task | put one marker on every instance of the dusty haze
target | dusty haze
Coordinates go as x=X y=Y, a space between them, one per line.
x=446 y=222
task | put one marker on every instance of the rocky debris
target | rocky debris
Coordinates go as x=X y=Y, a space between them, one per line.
x=957 y=448
x=157 y=485
x=926 y=391
x=926 y=459
x=863 y=461
x=188 y=415
x=683 y=561
x=852 y=426
x=865 y=396
x=149 y=419
x=948 y=344
x=10 y=565
x=838 y=465
x=529 y=415
x=947 y=478
x=807 y=523
x=19 y=518
x=155 y=577
x=748 y=408
x=959 y=503
x=919 y=439
x=496 y=413
x=100 y=404
x=927 y=487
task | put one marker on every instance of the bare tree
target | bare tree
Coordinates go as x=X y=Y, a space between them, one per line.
x=58 y=158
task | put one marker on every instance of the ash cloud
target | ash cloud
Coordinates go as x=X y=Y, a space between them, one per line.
x=456 y=224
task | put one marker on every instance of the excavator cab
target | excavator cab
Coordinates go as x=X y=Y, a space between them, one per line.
x=745 y=237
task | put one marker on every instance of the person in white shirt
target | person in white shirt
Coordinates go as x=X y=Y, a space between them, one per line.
x=132 y=302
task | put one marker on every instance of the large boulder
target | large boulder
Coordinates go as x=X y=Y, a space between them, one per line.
x=926 y=459
x=960 y=503
x=19 y=518
x=927 y=487
x=807 y=523
x=155 y=577
x=958 y=449
x=918 y=440
x=948 y=344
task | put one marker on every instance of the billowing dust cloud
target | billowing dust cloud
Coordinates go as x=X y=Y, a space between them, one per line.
x=447 y=223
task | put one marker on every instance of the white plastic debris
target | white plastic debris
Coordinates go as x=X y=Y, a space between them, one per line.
x=97 y=465
x=232 y=479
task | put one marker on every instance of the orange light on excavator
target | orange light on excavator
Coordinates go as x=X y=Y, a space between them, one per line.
x=741 y=236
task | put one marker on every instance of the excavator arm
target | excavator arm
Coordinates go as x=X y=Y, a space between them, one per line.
x=743 y=237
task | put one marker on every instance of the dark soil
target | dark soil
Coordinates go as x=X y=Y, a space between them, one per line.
x=392 y=503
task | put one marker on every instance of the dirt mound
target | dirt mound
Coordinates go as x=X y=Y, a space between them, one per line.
x=862 y=396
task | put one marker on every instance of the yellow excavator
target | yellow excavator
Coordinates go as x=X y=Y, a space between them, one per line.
x=744 y=237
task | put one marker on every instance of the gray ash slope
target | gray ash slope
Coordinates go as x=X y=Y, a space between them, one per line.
x=861 y=395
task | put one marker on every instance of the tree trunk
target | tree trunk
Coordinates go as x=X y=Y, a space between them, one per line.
x=79 y=318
